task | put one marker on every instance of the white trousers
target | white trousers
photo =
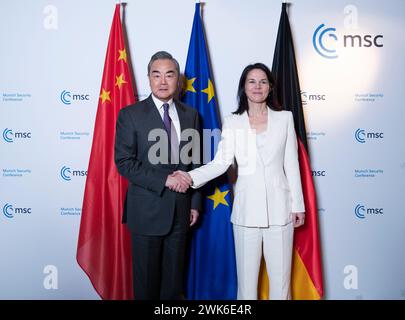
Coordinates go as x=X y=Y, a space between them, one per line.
x=276 y=243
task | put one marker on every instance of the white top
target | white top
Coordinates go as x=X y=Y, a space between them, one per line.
x=261 y=142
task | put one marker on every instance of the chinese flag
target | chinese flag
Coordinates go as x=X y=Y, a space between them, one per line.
x=103 y=249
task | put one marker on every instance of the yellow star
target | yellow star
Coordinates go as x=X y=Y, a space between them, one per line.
x=219 y=197
x=188 y=85
x=105 y=95
x=120 y=80
x=209 y=90
x=123 y=55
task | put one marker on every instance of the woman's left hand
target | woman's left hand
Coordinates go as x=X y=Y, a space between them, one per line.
x=298 y=219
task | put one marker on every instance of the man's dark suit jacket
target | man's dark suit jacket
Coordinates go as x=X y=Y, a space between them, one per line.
x=150 y=206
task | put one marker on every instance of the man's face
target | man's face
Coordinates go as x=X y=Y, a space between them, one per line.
x=163 y=79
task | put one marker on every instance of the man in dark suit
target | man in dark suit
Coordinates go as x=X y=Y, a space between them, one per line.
x=159 y=206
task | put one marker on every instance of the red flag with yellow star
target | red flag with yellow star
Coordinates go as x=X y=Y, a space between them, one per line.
x=103 y=249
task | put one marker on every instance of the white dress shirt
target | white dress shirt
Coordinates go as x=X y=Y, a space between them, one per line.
x=172 y=113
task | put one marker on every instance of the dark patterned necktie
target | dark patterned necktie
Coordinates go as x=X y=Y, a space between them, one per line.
x=172 y=135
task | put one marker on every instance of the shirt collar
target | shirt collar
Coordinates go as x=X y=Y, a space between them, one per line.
x=159 y=103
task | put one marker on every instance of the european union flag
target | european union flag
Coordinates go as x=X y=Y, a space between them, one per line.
x=211 y=265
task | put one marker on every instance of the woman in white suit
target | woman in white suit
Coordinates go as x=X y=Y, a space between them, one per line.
x=268 y=201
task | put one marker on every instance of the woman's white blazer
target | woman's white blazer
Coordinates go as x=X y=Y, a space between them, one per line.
x=268 y=188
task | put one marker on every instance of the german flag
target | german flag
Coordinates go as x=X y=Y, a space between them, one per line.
x=306 y=278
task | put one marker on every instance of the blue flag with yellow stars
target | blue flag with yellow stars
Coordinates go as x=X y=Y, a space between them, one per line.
x=211 y=272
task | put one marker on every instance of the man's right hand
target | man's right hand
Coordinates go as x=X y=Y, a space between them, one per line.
x=179 y=182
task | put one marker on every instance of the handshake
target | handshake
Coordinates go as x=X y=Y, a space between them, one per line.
x=179 y=181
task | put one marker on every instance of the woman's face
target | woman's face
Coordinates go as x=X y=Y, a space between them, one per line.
x=257 y=86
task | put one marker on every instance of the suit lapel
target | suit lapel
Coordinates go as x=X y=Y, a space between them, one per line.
x=183 y=119
x=155 y=120
x=250 y=138
x=273 y=134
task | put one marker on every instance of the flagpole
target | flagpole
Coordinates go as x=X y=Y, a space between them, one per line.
x=121 y=13
x=199 y=2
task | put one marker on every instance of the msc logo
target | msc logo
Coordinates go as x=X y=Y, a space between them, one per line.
x=318 y=173
x=360 y=211
x=361 y=135
x=306 y=97
x=319 y=42
x=324 y=46
x=66 y=173
x=66 y=97
x=9 y=211
x=9 y=136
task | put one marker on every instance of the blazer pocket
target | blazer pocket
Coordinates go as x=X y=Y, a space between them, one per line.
x=280 y=200
x=279 y=183
x=138 y=191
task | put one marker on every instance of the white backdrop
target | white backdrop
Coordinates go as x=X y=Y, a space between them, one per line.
x=352 y=95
